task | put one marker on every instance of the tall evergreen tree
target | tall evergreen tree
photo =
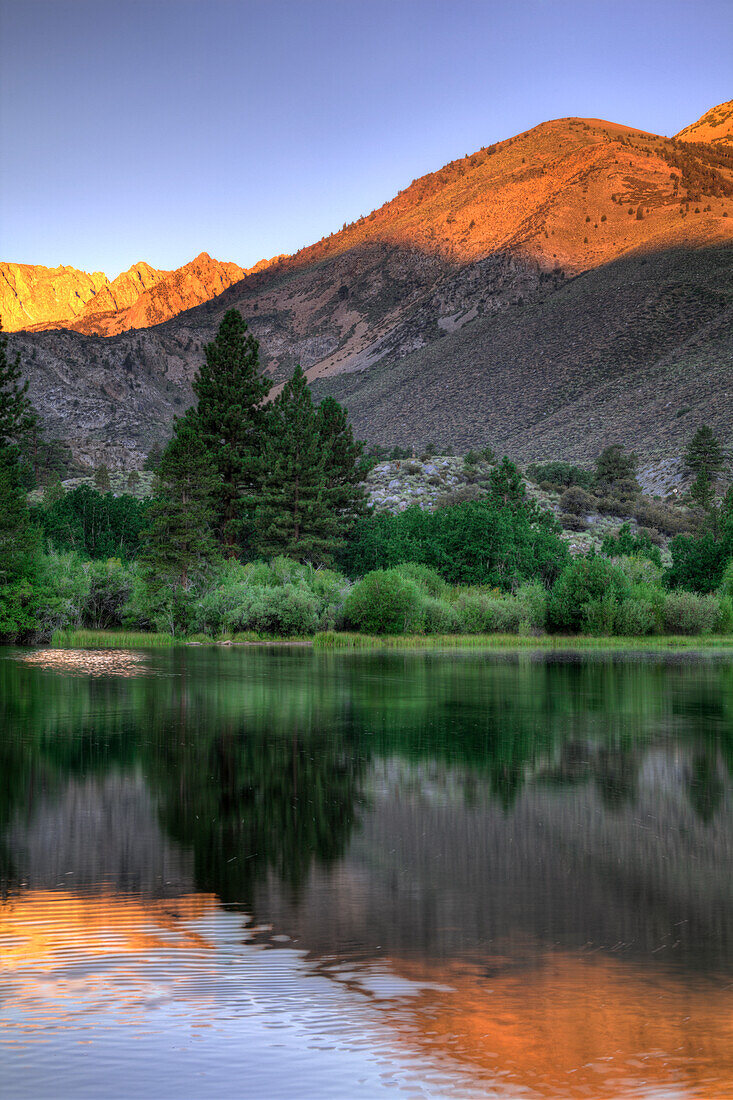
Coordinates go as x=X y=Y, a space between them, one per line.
x=181 y=546
x=341 y=459
x=230 y=418
x=705 y=458
x=294 y=516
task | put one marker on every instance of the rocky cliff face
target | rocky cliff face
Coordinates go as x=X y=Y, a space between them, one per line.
x=31 y=294
x=160 y=295
x=123 y=291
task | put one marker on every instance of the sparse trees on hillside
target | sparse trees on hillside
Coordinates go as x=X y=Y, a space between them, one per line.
x=101 y=479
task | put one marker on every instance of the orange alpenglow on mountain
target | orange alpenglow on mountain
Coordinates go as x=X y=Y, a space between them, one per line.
x=715 y=127
x=34 y=297
x=559 y=194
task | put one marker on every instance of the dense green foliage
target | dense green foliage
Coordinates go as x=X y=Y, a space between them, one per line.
x=97 y=525
x=501 y=541
x=560 y=475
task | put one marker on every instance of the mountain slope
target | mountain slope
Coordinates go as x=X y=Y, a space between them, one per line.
x=714 y=127
x=516 y=281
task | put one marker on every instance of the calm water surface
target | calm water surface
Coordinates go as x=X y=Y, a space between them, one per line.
x=277 y=873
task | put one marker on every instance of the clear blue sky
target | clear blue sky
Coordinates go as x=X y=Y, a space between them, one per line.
x=155 y=129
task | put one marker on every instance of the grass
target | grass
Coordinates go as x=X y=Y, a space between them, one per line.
x=110 y=639
x=333 y=640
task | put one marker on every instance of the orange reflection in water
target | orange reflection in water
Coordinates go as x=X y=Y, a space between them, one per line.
x=88 y=662
x=41 y=927
x=577 y=1026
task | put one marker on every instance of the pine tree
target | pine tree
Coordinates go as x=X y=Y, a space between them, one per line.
x=705 y=458
x=230 y=418
x=341 y=462
x=181 y=546
x=101 y=479
x=294 y=517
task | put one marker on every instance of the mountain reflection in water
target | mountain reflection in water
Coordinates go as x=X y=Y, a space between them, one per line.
x=282 y=873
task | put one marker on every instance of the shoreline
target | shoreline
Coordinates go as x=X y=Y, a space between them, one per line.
x=332 y=641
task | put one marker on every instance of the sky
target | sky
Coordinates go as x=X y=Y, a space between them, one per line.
x=156 y=129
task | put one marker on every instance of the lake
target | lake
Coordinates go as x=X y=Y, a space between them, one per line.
x=280 y=873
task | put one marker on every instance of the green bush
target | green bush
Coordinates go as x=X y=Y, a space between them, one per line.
x=110 y=587
x=577 y=502
x=438 y=616
x=697 y=563
x=501 y=541
x=584 y=595
x=627 y=544
x=691 y=613
x=560 y=475
x=726 y=581
x=670 y=521
x=635 y=617
x=384 y=602
x=424 y=577
x=99 y=525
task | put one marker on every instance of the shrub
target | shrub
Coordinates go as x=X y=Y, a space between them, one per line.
x=426 y=578
x=532 y=601
x=501 y=543
x=573 y=523
x=668 y=520
x=109 y=589
x=697 y=563
x=584 y=593
x=383 y=602
x=635 y=618
x=481 y=613
x=279 y=597
x=99 y=525
x=690 y=613
x=576 y=501
x=726 y=581
x=627 y=544
x=438 y=616
x=560 y=475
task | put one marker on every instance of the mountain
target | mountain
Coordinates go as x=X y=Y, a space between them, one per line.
x=551 y=293
x=138 y=298
x=714 y=127
x=31 y=294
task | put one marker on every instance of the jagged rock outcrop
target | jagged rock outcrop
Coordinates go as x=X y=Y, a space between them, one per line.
x=31 y=294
